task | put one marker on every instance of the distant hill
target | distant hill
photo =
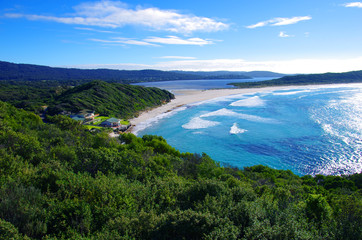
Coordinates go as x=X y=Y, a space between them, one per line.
x=236 y=74
x=307 y=79
x=29 y=72
x=72 y=76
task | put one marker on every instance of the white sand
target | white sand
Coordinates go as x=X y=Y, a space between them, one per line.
x=184 y=97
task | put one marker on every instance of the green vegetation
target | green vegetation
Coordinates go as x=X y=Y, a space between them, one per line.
x=59 y=181
x=29 y=96
x=110 y=99
x=326 y=78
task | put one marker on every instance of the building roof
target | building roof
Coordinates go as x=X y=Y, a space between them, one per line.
x=113 y=120
x=78 y=118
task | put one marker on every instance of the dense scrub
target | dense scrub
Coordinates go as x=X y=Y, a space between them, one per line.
x=114 y=99
x=58 y=181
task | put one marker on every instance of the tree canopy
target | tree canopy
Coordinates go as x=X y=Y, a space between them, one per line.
x=114 y=99
x=59 y=181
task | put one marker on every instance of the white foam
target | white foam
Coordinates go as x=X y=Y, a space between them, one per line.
x=226 y=112
x=292 y=92
x=143 y=125
x=221 y=112
x=236 y=130
x=198 y=123
x=249 y=102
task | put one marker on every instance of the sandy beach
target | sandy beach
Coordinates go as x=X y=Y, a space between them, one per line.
x=185 y=97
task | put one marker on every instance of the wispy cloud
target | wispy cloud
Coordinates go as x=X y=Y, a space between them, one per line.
x=284 y=35
x=93 y=30
x=115 y=14
x=156 y=41
x=178 y=41
x=128 y=41
x=280 y=21
x=354 y=4
x=177 y=57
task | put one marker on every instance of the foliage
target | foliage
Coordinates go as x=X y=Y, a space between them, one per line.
x=112 y=99
x=59 y=181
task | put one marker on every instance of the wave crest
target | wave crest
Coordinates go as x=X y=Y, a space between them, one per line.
x=249 y=102
x=197 y=123
x=236 y=130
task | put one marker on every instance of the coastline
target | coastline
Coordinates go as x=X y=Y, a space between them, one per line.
x=186 y=97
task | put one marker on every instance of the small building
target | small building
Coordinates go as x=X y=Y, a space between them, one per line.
x=112 y=123
x=80 y=119
x=84 y=115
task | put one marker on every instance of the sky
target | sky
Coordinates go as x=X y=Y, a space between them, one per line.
x=299 y=36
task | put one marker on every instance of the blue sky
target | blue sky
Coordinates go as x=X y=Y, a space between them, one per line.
x=300 y=36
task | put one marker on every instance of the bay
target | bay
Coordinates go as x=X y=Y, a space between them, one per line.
x=311 y=130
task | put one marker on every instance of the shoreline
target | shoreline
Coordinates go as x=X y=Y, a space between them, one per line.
x=186 y=97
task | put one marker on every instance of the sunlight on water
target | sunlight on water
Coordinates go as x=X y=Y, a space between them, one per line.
x=309 y=131
x=342 y=120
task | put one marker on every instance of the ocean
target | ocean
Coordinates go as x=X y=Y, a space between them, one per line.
x=308 y=130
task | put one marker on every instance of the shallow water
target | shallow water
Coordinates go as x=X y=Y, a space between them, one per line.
x=307 y=130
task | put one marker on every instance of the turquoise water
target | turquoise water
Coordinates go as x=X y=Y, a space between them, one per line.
x=307 y=130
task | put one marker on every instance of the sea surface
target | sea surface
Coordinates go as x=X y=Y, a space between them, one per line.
x=309 y=130
x=198 y=84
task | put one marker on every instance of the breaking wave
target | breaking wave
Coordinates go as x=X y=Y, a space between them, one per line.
x=236 y=130
x=198 y=123
x=249 y=102
x=230 y=113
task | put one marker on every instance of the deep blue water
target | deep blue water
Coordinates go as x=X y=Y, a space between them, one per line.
x=307 y=130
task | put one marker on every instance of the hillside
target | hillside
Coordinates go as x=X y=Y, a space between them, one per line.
x=111 y=99
x=29 y=72
x=114 y=99
x=306 y=79
x=59 y=181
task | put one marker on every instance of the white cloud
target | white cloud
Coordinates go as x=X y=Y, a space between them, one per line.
x=284 y=35
x=287 y=66
x=354 y=4
x=178 y=41
x=115 y=14
x=280 y=21
x=155 y=41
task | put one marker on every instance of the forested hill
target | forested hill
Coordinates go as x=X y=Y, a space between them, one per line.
x=112 y=99
x=60 y=181
x=28 y=72
x=306 y=79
